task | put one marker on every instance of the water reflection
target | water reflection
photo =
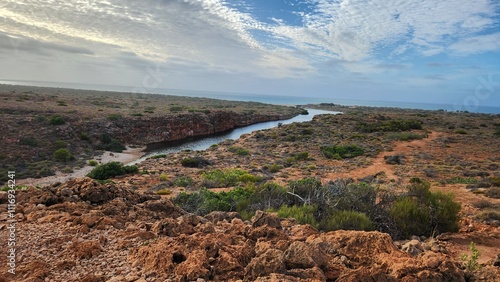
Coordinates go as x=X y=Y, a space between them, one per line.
x=203 y=143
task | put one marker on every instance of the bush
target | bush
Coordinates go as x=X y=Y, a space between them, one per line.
x=227 y=178
x=111 y=169
x=238 y=150
x=422 y=212
x=28 y=141
x=274 y=168
x=205 y=201
x=62 y=155
x=493 y=192
x=57 y=120
x=303 y=214
x=198 y=162
x=158 y=156
x=183 y=181
x=342 y=152
x=164 y=192
x=111 y=144
x=114 y=116
x=93 y=163
x=390 y=126
x=347 y=220
x=163 y=177
x=460 y=131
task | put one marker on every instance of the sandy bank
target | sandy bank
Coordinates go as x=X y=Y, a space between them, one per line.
x=127 y=156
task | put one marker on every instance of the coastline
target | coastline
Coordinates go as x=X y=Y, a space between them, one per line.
x=128 y=156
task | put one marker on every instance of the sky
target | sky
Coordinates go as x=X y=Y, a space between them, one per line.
x=445 y=51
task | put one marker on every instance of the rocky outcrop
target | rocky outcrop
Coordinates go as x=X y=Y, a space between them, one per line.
x=85 y=230
x=150 y=130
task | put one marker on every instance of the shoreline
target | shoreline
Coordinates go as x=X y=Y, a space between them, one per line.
x=126 y=157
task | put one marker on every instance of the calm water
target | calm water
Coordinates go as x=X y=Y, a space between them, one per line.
x=204 y=143
x=483 y=107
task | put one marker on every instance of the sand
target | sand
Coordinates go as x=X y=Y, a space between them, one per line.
x=126 y=157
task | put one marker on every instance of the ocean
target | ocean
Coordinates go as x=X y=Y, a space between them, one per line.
x=268 y=99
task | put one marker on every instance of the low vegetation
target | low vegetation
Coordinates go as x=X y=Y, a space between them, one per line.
x=342 y=152
x=111 y=169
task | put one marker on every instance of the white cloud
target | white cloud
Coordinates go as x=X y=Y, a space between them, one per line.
x=477 y=44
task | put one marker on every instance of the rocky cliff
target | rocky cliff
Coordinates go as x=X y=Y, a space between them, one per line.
x=148 y=130
x=85 y=231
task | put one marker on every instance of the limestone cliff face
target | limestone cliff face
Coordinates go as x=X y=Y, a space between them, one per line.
x=149 y=130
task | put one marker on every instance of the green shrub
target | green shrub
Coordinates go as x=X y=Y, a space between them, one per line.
x=114 y=116
x=111 y=169
x=160 y=156
x=461 y=180
x=164 y=192
x=206 y=201
x=238 y=150
x=423 y=212
x=392 y=125
x=461 y=131
x=411 y=217
x=347 y=220
x=274 y=168
x=303 y=214
x=93 y=163
x=62 y=155
x=342 y=152
x=176 y=109
x=227 y=178
x=60 y=144
x=198 y=162
x=183 y=181
x=57 y=120
x=163 y=177
x=28 y=141
x=111 y=144
x=471 y=263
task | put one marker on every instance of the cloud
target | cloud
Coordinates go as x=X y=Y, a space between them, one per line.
x=477 y=44
x=19 y=43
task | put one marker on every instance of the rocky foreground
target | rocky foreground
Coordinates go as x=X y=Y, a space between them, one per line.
x=82 y=230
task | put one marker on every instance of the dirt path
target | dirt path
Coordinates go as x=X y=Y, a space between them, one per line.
x=379 y=164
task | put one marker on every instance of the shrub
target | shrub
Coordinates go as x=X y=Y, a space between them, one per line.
x=274 y=168
x=93 y=163
x=60 y=144
x=471 y=263
x=158 y=156
x=164 y=192
x=238 y=150
x=176 y=109
x=28 y=141
x=57 y=120
x=422 y=212
x=493 y=192
x=347 y=220
x=227 y=178
x=114 y=116
x=460 y=131
x=198 y=162
x=62 y=155
x=183 y=181
x=111 y=144
x=342 y=152
x=111 y=169
x=205 y=201
x=393 y=125
x=163 y=177
x=303 y=214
